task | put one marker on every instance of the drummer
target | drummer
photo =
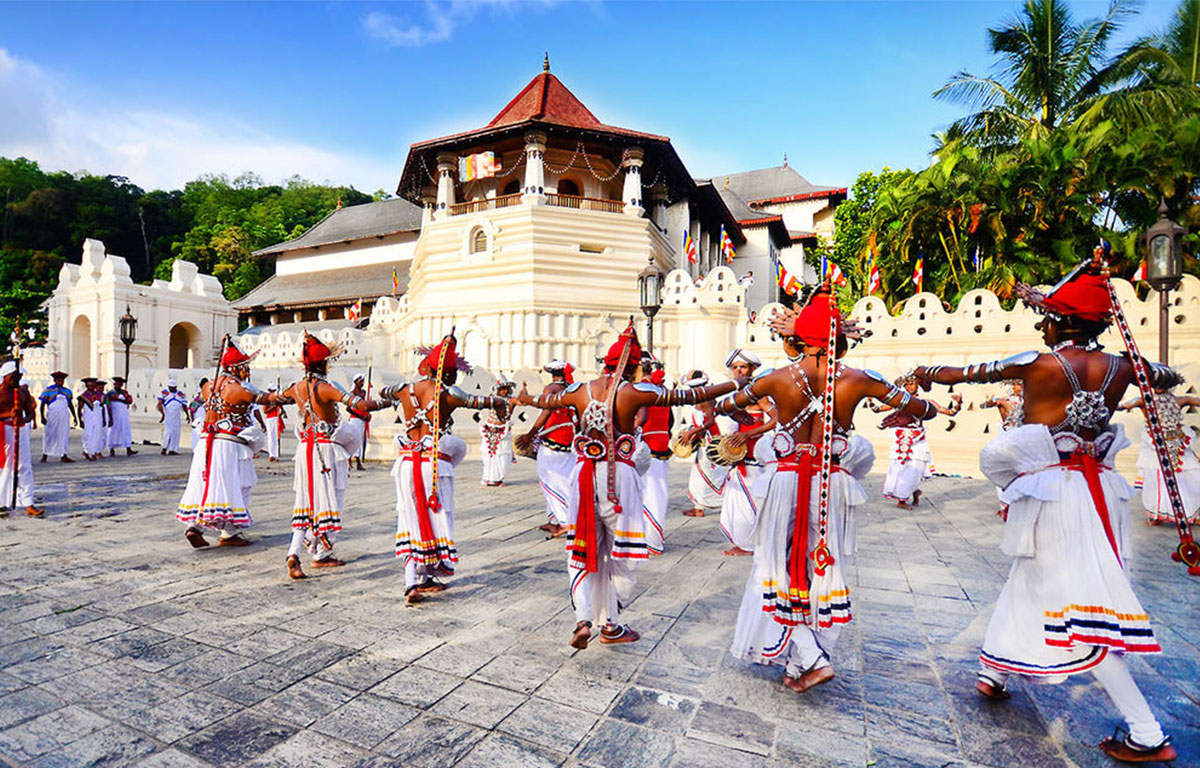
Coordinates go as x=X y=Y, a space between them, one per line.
x=740 y=498
x=703 y=430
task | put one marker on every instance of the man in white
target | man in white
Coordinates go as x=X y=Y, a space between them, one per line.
x=703 y=429
x=93 y=417
x=741 y=498
x=496 y=445
x=171 y=405
x=551 y=436
x=120 y=432
x=16 y=408
x=273 y=419
x=58 y=412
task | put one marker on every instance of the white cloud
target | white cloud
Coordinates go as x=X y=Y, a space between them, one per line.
x=157 y=149
x=435 y=21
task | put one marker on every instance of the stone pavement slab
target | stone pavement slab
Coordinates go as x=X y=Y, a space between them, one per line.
x=121 y=645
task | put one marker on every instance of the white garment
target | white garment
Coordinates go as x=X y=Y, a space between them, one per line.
x=94 y=435
x=1068 y=600
x=620 y=542
x=24 y=471
x=217 y=495
x=554 y=476
x=120 y=432
x=910 y=459
x=173 y=404
x=496 y=450
x=355 y=432
x=744 y=494
x=656 y=494
x=761 y=635
x=433 y=552
x=321 y=463
x=56 y=438
x=1187 y=475
x=274 y=432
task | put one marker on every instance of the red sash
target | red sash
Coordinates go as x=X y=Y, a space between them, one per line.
x=417 y=459
x=804 y=465
x=584 y=547
x=1087 y=464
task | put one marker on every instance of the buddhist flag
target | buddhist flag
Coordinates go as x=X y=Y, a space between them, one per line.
x=786 y=280
x=873 y=278
x=836 y=275
x=1140 y=275
x=689 y=246
x=918 y=277
x=478 y=166
x=395 y=282
x=726 y=246
x=355 y=311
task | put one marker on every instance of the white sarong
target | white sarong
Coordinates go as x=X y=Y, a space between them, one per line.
x=743 y=496
x=1187 y=474
x=120 y=433
x=173 y=405
x=1068 y=600
x=496 y=451
x=94 y=435
x=222 y=475
x=910 y=459
x=706 y=482
x=768 y=631
x=554 y=476
x=24 y=471
x=425 y=533
x=56 y=439
x=656 y=494
x=321 y=474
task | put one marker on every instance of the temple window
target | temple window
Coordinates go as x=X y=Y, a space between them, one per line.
x=478 y=240
x=568 y=187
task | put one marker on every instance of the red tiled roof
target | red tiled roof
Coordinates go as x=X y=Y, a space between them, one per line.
x=830 y=192
x=760 y=222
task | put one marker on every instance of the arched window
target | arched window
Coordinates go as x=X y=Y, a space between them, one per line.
x=478 y=240
x=512 y=187
x=568 y=187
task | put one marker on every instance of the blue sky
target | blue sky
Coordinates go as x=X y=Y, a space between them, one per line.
x=162 y=92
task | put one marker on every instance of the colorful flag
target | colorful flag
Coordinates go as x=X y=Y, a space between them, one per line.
x=726 y=246
x=689 y=246
x=918 y=276
x=395 y=282
x=835 y=274
x=786 y=280
x=873 y=278
x=355 y=311
x=824 y=266
x=978 y=260
x=479 y=166
x=1140 y=275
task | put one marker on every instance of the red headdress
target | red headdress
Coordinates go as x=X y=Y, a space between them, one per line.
x=658 y=376
x=569 y=374
x=628 y=338
x=812 y=324
x=431 y=356
x=316 y=351
x=234 y=356
x=1083 y=293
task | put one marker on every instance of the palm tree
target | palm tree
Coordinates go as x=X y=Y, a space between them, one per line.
x=1051 y=72
x=1162 y=71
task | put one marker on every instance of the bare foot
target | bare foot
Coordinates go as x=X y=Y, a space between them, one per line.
x=736 y=551
x=412 y=595
x=328 y=562
x=693 y=513
x=32 y=511
x=67 y=460
x=293 y=568
x=916 y=498
x=810 y=679
x=557 y=532
x=43 y=458
x=236 y=540
x=196 y=538
x=583 y=633
x=903 y=505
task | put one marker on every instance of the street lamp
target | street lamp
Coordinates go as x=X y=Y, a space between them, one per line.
x=1164 y=268
x=650 y=295
x=127 y=330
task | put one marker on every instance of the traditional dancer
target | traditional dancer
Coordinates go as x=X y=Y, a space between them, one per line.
x=910 y=456
x=496 y=439
x=797 y=597
x=1180 y=439
x=742 y=495
x=551 y=435
x=18 y=415
x=605 y=506
x=217 y=495
x=1067 y=606
x=171 y=406
x=323 y=458
x=707 y=479
x=93 y=417
x=424 y=469
x=655 y=422
x=356 y=426
x=1012 y=414
x=120 y=431
x=58 y=414
x=273 y=415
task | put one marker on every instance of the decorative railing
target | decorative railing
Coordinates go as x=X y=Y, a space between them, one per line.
x=585 y=203
x=486 y=204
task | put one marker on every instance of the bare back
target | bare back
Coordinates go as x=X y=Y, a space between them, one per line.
x=1049 y=390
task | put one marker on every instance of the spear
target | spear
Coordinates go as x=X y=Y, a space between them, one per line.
x=367 y=424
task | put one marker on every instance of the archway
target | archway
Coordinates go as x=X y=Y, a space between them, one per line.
x=81 y=347
x=184 y=346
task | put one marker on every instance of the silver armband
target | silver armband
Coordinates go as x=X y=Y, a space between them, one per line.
x=392 y=391
x=997 y=369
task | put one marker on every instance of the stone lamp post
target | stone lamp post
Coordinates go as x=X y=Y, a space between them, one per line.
x=1164 y=268
x=127 y=330
x=650 y=294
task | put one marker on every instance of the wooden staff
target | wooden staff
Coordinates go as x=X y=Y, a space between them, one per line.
x=16 y=474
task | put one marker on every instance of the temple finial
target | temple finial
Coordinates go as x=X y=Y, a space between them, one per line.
x=546 y=62
x=785 y=159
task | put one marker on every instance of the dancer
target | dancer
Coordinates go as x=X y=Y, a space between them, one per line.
x=424 y=469
x=797 y=597
x=93 y=417
x=120 y=432
x=171 y=406
x=707 y=478
x=273 y=417
x=58 y=414
x=742 y=494
x=496 y=440
x=551 y=435
x=1180 y=438
x=323 y=458
x=356 y=426
x=655 y=422
x=910 y=457
x=1067 y=606
x=1012 y=414
x=605 y=506
x=217 y=496
x=18 y=415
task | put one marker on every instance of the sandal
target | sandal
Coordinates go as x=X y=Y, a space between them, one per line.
x=196 y=538
x=430 y=585
x=619 y=634
x=583 y=633
x=412 y=595
x=990 y=689
x=1120 y=747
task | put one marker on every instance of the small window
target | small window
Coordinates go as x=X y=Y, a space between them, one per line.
x=478 y=240
x=512 y=187
x=568 y=187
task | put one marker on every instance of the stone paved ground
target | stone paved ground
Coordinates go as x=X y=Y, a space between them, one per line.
x=120 y=645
